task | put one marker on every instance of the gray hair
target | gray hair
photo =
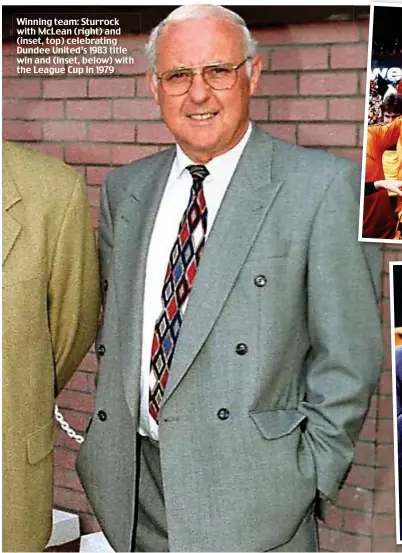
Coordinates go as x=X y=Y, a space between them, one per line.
x=201 y=11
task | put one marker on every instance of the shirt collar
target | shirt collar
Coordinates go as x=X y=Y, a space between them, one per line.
x=229 y=158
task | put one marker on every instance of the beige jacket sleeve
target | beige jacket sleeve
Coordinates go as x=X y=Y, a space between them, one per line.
x=73 y=293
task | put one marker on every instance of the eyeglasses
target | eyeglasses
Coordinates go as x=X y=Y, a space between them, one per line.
x=219 y=76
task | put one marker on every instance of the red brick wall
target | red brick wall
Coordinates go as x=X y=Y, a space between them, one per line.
x=312 y=93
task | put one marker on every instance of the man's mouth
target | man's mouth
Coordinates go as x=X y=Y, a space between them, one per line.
x=202 y=116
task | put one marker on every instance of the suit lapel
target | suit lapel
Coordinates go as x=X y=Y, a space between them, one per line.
x=11 y=227
x=242 y=212
x=138 y=214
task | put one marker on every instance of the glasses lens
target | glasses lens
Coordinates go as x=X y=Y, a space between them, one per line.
x=220 y=76
x=176 y=82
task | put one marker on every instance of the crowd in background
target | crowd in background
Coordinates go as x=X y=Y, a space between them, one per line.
x=387 y=47
x=379 y=86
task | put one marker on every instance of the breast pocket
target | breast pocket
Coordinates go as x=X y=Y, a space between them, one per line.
x=270 y=278
x=280 y=287
x=25 y=319
x=267 y=271
x=24 y=266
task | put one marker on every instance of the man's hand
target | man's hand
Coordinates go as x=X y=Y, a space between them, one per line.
x=391 y=185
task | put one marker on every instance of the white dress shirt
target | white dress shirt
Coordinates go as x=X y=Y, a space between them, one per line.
x=174 y=201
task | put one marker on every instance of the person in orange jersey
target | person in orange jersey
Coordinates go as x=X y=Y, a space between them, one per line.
x=379 y=218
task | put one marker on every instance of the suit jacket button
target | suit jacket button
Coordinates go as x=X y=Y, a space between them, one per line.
x=241 y=349
x=102 y=415
x=105 y=285
x=223 y=414
x=260 y=281
x=101 y=350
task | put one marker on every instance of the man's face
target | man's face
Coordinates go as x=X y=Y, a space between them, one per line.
x=389 y=116
x=205 y=122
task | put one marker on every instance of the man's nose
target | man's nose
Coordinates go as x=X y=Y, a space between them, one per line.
x=199 y=90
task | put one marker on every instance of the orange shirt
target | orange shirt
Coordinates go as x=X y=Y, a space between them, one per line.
x=390 y=163
x=379 y=139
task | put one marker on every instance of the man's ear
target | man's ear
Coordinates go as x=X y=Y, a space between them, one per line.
x=256 y=68
x=153 y=85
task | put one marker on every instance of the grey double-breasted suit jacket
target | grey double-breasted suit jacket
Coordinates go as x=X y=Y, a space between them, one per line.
x=283 y=274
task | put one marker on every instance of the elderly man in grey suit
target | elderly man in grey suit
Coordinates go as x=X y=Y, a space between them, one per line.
x=241 y=339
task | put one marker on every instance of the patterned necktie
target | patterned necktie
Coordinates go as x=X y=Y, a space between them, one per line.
x=180 y=274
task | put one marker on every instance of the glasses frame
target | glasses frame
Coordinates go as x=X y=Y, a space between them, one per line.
x=200 y=70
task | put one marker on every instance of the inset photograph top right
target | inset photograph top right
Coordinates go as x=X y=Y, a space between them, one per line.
x=381 y=195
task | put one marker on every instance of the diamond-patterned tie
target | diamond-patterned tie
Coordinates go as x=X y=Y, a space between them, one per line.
x=180 y=275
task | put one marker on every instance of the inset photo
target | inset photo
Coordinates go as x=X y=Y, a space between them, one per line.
x=396 y=340
x=381 y=195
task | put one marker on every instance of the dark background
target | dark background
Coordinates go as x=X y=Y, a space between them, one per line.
x=387 y=22
x=387 y=31
x=398 y=294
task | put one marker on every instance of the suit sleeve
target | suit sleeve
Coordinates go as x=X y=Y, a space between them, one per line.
x=345 y=335
x=73 y=293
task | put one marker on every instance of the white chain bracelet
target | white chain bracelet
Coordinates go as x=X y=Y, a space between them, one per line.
x=66 y=427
